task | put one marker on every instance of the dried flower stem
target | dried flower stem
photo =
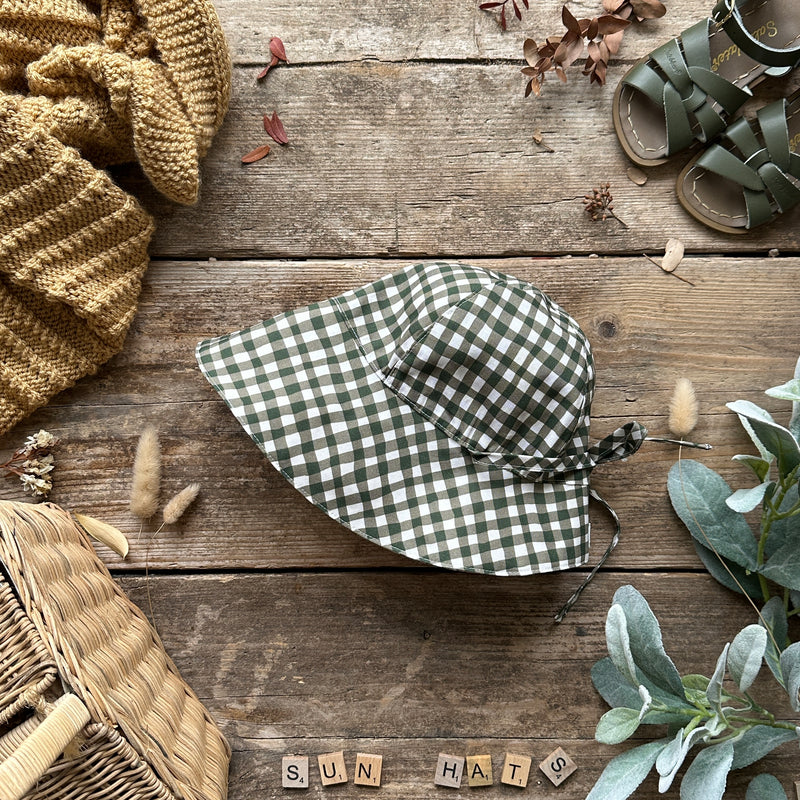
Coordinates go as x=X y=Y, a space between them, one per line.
x=600 y=204
x=33 y=463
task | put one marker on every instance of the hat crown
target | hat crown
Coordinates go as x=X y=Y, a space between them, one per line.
x=490 y=360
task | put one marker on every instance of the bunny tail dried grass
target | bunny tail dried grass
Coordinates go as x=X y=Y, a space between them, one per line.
x=146 y=475
x=683 y=408
x=173 y=511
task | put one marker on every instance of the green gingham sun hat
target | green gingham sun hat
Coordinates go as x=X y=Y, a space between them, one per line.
x=441 y=412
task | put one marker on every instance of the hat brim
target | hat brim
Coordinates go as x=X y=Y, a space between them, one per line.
x=300 y=386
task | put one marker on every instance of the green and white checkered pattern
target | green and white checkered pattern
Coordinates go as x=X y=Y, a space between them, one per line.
x=442 y=412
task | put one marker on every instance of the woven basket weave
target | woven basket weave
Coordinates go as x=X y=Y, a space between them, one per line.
x=91 y=707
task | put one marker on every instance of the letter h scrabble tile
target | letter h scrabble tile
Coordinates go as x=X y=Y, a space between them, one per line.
x=449 y=771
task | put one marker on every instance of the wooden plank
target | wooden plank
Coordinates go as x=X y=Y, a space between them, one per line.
x=403 y=159
x=646 y=327
x=392 y=30
x=413 y=665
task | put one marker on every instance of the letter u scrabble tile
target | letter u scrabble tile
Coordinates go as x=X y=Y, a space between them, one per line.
x=332 y=769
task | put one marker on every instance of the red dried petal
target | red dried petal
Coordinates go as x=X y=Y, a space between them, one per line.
x=256 y=155
x=263 y=73
x=274 y=128
x=277 y=49
x=517 y=12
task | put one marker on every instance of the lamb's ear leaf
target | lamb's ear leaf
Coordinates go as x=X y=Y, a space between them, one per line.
x=707 y=775
x=765 y=787
x=698 y=496
x=729 y=573
x=790 y=669
x=624 y=774
x=775 y=438
x=646 y=644
x=773 y=615
x=746 y=654
x=755 y=743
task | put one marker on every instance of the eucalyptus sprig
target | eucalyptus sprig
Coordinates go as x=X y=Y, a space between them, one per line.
x=723 y=729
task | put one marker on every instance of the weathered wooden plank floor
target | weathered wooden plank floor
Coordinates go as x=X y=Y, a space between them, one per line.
x=410 y=139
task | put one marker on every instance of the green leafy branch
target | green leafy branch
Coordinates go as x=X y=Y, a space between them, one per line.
x=727 y=730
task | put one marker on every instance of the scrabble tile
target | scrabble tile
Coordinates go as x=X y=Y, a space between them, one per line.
x=516 y=770
x=479 y=770
x=449 y=771
x=368 y=769
x=332 y=769
x=558 y=766
x=294 y=772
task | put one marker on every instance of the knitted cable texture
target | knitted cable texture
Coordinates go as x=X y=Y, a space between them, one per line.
x=85 y=84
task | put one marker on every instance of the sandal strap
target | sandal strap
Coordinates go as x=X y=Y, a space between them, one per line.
x=728 y=16
x=766 y=166
x=688 y=89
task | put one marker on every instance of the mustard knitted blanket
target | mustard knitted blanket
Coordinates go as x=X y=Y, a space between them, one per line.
x=84 y=85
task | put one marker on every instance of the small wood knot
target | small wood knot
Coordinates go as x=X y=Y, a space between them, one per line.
x=607 y=329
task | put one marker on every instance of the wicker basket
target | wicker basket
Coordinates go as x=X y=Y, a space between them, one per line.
x=91 y=707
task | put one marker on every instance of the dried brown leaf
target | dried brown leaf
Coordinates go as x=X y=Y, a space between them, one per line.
x=570 y=23
x=648 y=9
x=613 y=41
x=608 y=23
x=592 y=29
x=531 y=51
x=637 y=176
x=612 y=5
x=517 y=12
x=673 y=255
x=256 y=155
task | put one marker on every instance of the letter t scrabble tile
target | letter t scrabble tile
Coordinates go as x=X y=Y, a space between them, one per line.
x=516 y=770
x=558 y=766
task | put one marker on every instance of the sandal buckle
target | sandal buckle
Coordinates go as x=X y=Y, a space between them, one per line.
x=722 y=21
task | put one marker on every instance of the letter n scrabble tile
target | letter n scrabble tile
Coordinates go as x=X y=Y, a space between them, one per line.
x=368 y=769
x=516 y=770
x=558 y=766
x=332 y=769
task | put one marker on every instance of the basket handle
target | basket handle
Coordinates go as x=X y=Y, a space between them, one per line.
x=29 y=762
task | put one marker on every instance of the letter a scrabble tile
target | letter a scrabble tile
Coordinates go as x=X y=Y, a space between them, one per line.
x=558 y=766
x=332 y=769
x=479 y=770
x=368 y=769
x=294 y=771
x=449 y=771
x=516 y=770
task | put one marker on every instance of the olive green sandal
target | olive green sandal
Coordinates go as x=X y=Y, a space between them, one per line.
x=751 y=175
x=686 y=90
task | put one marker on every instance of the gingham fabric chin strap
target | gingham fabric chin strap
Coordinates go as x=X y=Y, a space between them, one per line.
x=622 y=442
x=588 y=579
